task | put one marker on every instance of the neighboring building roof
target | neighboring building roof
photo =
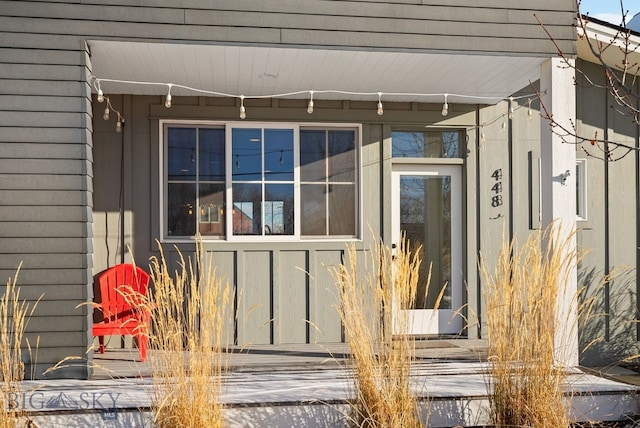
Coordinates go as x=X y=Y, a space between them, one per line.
x=634 y=24
x=607 y=33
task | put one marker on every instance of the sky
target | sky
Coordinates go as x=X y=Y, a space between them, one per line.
x=609 y=10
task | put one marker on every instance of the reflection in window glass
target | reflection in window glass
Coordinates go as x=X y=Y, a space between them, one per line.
x=247 y=200
x=211 y=154
x=328 y=165
x=341 y=156
x=341 y=211
x=268 y=169
x=426 y=144
x=181 y=156
x=313 y=155
x=181 y=209
x=314 y=209
x=211 y=206
x=278 y=209
x=195 y=181
x=425 y=220
x=278 y=154
x=246 y=151
x=272 y=162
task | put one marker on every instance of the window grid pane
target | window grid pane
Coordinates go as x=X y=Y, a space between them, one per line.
x=194 y=155
x=262 y=181
x=329 y=157
x=427 y=144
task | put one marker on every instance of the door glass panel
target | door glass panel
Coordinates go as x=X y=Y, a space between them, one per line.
x=425 y=218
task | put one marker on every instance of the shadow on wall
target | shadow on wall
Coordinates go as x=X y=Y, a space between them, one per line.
x=609 y=329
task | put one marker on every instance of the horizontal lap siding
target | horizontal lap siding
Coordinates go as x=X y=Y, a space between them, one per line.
x=45 y=194
x=46 y=159
x=484 y=26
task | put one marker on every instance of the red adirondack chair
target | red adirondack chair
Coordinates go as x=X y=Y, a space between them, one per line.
x=121 y=303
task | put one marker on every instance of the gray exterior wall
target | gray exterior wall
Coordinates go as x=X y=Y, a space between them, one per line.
x=609 y=237
x=285 y=291
x=47 y=216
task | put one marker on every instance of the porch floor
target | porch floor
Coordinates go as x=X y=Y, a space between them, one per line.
x=307 y=385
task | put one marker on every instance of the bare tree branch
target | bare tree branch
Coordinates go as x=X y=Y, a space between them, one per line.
x=619 y=80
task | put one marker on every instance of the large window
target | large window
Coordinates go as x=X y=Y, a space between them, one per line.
x=246 y=181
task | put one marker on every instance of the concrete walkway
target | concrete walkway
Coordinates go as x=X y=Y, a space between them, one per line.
x=305 y=386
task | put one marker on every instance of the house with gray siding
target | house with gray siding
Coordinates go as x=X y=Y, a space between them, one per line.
x=282 y=131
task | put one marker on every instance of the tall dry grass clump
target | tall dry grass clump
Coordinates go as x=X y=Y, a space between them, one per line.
x=14 y=317
x=382 y=361
x=187 y=330
x=522 y=296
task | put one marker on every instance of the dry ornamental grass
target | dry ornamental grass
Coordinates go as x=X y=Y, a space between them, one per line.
x=521 y=296
x=187 y=330
x=382 y=360
x=14 y=317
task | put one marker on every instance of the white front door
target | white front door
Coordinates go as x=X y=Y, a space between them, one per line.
x=427 y=208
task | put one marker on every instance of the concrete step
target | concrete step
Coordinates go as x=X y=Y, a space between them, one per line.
x=452 y=394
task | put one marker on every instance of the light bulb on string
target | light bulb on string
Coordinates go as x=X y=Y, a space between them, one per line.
x=105 y=116
x=243 y=111
x=119 y=123
x=100 y=93
x=503 y=127
x=445 y=106
x=511 y=108
x=380 y=109
x=310 y=105
x=529 y=111
x=167 y=100
x=483 y=138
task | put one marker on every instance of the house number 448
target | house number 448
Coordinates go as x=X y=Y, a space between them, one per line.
x=496 y=199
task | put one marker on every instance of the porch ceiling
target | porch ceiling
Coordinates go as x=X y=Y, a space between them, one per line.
x=264 y=71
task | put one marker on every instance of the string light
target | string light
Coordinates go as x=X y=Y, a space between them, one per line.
x=310 y=105
x=243 y=112
x=307 y=91
x=167 y=100
x=511 y=109
x=107 y=113
x=380 y=111
x=119 y=123
x=445 y=106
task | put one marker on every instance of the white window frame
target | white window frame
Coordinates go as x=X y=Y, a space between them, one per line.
x=581 y=190
x=229 y=125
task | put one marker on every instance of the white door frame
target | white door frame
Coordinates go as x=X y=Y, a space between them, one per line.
x=438 y=321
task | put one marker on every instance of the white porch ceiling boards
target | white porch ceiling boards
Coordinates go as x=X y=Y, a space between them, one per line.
x=260 y=71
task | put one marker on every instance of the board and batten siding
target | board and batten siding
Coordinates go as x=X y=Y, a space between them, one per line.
x=284 y=291
x=47 y=217
x=610 y=235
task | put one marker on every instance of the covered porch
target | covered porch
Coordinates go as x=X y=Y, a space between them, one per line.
x=378 y=90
